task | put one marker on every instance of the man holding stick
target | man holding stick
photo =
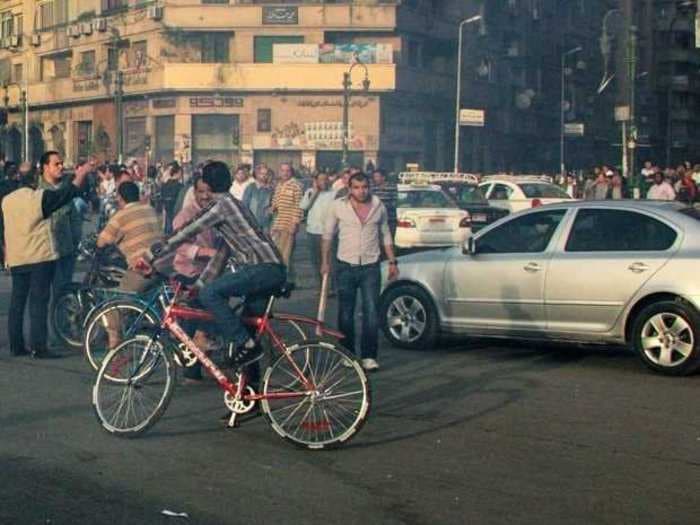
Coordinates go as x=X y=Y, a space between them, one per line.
x=361 y=223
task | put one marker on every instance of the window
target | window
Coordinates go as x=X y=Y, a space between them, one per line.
x=543 y=191
x=84 y=139
x=165 y=137
x=112 y=58
x=57 y=66
x=113 y=5
x=465 y=193
x=138 y=57
x=264 y=120
x=17 y=73
x=530 y=233
x=135 y=136
x=423 y=199
x=52 y=13
x=86 y=66
x=215 y=48
x=263 y=46
x=618 y=231
x=215 y=137
x=501 y=192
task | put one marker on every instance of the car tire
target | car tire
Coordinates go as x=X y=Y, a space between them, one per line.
x=416 y=313
x=666 y=335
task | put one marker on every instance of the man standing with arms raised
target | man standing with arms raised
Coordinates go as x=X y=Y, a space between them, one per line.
x=361 y=223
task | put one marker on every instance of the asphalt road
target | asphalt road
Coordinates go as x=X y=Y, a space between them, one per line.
x=468 y=433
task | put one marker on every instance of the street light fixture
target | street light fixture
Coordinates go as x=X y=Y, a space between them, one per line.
x=562 y=109
x=459 y=86
x=347 y=92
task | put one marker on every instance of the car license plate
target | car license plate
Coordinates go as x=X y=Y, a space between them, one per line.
x=479 y=217
x=437 y=220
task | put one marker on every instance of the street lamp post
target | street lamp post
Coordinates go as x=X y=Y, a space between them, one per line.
x=119 y=96
x=347 y=92
x=682 y=8
x=459 y=86
x=562 y=109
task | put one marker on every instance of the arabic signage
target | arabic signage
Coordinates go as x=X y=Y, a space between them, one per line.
x=216 y=102
x=574 y=129
x=295 y=53
x=90 y=84
x=164 y=103
x=280 y=15
x=472 y=117
x=349 y=53
x=331 y=103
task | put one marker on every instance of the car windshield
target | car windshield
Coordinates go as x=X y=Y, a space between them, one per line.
x=423 y=199
x=542 y=190
x=465 y=193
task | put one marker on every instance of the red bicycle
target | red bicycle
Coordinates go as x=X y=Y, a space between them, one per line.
x=314 y=394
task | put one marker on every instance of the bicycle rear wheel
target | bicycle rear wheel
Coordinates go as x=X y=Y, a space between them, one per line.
x=133 y=387
x=113 y=323
x=68 y=315
x=328 y=413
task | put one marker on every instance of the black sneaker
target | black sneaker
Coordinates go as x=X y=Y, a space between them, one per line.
x=246 y=354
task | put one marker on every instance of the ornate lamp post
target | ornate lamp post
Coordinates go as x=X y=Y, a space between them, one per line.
x=347 y=92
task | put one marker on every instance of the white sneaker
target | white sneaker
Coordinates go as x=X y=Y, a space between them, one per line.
x=370 y=364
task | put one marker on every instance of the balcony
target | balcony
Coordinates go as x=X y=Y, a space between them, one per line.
x=189 y=14
x=176 y=77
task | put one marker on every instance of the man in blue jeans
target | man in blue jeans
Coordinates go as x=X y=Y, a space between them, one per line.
x=258 y=264
x=361 y=223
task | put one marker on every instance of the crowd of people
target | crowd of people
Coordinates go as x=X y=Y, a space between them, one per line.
x=198 y=223
x=652 y=182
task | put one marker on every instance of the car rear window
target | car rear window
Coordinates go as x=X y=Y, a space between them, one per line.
x=423 y=199
x=465 y=193
x=533 y=190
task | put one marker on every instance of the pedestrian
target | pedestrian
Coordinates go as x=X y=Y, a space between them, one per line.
x=66 y=224
x=32 y=252
x=169 y=194
x=661 y=190
x=617 y=189
x=315 y=203
x=360 y=220
x=286 y=208
x=598 y=190
x=241 y=180
x=686 y=189
x=258 y=197
x=387 y=192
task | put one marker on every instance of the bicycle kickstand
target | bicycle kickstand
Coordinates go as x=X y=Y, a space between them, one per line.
x=232 y=421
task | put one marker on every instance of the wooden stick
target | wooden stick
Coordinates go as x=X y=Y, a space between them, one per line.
x=322 y=303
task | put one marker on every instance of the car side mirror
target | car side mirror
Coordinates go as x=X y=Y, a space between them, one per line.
x=469 y=246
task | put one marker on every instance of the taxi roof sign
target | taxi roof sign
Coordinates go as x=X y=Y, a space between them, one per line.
x=431 y=177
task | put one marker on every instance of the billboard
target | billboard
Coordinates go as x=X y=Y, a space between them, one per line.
x=366 y=53
x=295 y=53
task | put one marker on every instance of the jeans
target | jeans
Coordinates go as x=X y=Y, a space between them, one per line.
x=33 y=283
x=366 y=278
x=247 y=281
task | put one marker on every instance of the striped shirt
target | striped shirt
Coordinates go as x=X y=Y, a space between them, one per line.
x=286 y=205
x=244 y=242
x=133 y=230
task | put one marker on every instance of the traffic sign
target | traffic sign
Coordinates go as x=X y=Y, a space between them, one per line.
x=472 y=117
x=574 y=129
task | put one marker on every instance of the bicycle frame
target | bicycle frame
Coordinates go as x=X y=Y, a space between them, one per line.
x=175 y=312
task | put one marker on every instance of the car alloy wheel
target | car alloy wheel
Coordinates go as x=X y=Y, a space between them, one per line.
x=667 y=339
x=406 y=318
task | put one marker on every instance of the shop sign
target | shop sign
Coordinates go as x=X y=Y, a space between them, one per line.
x=91 y=84
x=331 y=103
x=164 y=103
x=216 y=102
x=295 y=53
x=280 y=15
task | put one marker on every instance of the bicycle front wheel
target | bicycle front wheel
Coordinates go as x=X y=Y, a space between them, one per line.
x=133 y=387
x=110 y=325
x=316 y=396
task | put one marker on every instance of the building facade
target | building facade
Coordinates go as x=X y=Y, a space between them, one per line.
x=241 y=81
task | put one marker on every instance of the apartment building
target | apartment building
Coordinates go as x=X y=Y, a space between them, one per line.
x=242 y=81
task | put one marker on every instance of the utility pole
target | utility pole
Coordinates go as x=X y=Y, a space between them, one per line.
x=24 y=106
x=629 y=133
x=119 y=95
x=347 y=92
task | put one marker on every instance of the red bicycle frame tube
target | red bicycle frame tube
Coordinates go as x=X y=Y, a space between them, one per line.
x=175 y=312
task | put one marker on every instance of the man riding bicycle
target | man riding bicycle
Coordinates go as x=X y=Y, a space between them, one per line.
x=257 y=261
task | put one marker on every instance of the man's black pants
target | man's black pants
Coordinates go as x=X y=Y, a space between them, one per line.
x=31 y=282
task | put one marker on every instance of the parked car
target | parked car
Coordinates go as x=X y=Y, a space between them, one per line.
x=520 y=192
x=469 y=197
x=588 y=271
x=427 y=217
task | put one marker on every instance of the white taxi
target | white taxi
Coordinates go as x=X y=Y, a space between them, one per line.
x=521 y=192
x=426 y=217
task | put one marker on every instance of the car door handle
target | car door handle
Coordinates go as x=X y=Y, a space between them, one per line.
x=532 y=267
x=638 y=267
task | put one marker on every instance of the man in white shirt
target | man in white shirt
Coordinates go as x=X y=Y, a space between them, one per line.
x=661 y=190
x=241 y=181
x=362 y=225
x=315 y=203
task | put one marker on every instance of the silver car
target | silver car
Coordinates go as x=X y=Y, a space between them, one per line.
x=621 y=272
